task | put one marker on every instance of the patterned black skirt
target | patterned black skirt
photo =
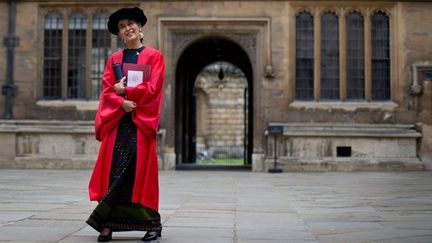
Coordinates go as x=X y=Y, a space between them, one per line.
x=116 y=210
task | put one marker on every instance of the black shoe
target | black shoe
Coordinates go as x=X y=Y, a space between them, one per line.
x=105 y=238
x=152 y=235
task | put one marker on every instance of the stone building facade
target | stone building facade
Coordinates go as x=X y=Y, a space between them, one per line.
x=346 y=85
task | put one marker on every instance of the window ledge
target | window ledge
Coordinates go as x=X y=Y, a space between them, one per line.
x=348 y=106
x=80 y=105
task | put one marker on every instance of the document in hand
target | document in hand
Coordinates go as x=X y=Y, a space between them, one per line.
x=136 y=73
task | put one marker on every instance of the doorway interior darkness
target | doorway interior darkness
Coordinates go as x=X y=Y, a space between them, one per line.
x=195 y=57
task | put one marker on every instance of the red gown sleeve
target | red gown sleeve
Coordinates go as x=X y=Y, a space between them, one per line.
x=148 y=96
x=109 y=110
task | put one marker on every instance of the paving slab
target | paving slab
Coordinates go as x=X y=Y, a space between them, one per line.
x=275 y=234
x=208 y=222
x=50 y=223
x=198 y=233
x=34 y=233
x=26 y=207
x=234 y=207
x=12 y=216
x=388 y=234
x=275 y=241
x=331 y=227
x=265 y=221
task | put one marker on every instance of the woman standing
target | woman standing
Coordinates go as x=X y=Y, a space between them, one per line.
x=125 y=176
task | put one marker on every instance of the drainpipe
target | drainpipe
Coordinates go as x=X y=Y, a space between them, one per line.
x=10 y=41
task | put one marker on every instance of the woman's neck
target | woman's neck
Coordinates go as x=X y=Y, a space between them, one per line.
x=134 y=45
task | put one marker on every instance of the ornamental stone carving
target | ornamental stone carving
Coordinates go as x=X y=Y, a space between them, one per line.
x=182 y=39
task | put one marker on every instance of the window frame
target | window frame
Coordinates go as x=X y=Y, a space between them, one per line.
x=376 y=93
x=65 y=11
x=342 y=11
x=43 y=57
x=338 y=55
x=347 y=58
x=305 y=89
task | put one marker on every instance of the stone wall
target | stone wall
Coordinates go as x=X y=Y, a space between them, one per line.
x=416 y=36
x=47 y=144
x=343 y=147
x=221 y=115
x=54 y=144
x=26 y=58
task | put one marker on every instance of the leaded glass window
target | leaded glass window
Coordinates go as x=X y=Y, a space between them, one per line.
x=329 y=56
x=76 y=56
x=101 y=49
x=380 y=57
x=52 y=56
x=355 y=62
x=75 y=53
x=356 y=57
x=304 y=56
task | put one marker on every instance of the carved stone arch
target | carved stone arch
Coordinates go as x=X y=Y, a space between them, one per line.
x=47 y=11
x=101 y=10
x=329 y=10
x=301 y=10
x=246 y=41
x=385 y=10
x=352 y=11
x=182 y=40
x=176 y=35
x=359 y=10
x=194 y=52
x=77 y=10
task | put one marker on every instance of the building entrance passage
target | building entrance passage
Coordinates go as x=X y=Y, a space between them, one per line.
x=213 y=105
x=221 y=115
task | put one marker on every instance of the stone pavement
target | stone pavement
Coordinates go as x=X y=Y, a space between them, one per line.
x=215 y=206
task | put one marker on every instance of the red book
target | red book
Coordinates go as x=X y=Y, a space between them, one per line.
x=136 y=73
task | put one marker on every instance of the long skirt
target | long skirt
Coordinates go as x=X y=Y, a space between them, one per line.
x=116 y=210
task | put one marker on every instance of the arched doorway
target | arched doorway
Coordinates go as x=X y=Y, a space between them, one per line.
x=193 y=60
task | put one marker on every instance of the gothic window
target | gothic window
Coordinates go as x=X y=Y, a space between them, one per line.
x=304 y=56
x=342 y=58
x=101 y=49
x=52 y=56
x=75 y=52
x=76 y=56
x=380 y=57
x=329 y=56
x=355 y=62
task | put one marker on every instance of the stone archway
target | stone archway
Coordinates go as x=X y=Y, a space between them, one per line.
x=198 y=55
x=177 y=35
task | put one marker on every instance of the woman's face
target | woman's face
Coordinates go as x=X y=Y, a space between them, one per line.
x=129 y=30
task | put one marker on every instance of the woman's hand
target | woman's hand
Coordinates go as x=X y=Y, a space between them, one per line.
x=119 y=87
x=128 y=105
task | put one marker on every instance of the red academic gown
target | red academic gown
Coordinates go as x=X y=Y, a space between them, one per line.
x=148 y=97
